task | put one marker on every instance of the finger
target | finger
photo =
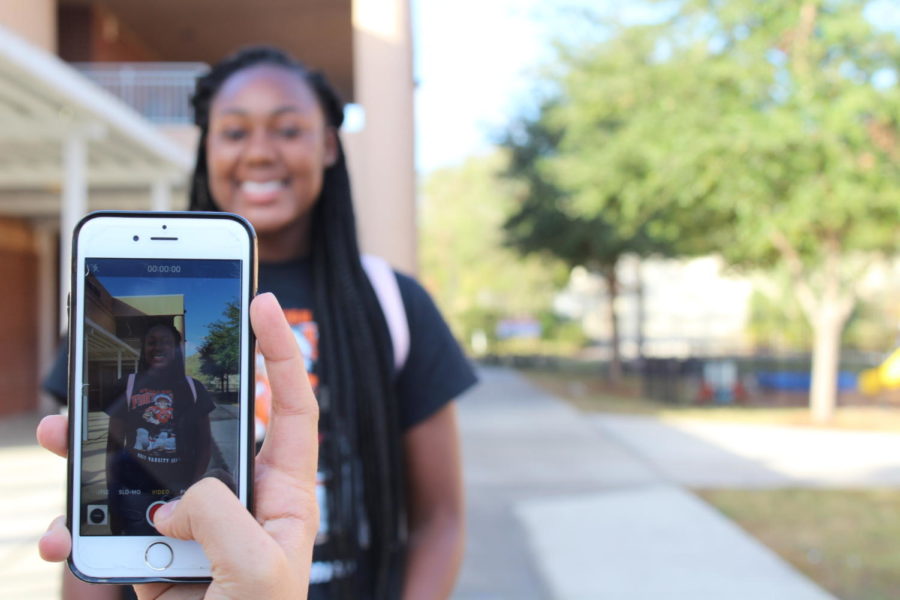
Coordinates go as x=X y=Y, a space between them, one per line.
x=212 y=515
x=55 y=545
x=53 y=434
x=171 y=591
x=291 y=443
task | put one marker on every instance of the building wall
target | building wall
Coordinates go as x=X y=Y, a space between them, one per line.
x=74 y=34
x=95 y=34
x=690 y=307
x=19 y=346
x=381 y=156
x=34 y=20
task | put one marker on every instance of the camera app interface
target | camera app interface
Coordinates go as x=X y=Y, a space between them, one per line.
x=162 y=349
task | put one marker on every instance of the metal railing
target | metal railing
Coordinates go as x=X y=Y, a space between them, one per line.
x=159 y=91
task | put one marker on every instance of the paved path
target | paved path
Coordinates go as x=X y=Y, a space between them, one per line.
x=32 y=493
x=732 y=455
x=519 y=445
x=560 y=508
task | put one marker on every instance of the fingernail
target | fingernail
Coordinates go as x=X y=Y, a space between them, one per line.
x=165 y=511
x=50 y=527
x=60 y=519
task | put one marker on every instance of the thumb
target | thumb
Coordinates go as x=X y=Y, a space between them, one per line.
x=210 y=514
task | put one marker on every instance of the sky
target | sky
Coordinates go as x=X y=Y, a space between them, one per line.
x=472 y=58
x=205 y=299
x=474 y=61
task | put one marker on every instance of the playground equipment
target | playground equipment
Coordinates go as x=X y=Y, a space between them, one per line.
x=882 y=378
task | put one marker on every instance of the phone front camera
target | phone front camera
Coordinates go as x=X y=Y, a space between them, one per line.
x=165 y=227
x=136 y=238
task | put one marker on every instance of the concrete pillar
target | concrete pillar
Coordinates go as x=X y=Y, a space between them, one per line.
x=381 y=155
x=74 y=206
x=48 y=330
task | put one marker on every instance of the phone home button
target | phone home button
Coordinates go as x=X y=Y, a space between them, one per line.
x=158 y=556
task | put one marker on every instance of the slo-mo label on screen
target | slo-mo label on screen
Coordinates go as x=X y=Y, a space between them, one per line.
x=161 y=385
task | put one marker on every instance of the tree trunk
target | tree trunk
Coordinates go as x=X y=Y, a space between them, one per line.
x=612 y=291
x=641 y=316
x=827 y=328
x=827 y=310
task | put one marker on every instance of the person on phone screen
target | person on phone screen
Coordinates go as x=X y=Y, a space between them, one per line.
x=159 y=440
x=264 y=555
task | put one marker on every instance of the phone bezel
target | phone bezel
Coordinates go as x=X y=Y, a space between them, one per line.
x=110 y=234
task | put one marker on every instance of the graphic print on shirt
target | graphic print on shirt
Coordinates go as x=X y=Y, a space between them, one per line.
x=306 y=332
x=154 y=430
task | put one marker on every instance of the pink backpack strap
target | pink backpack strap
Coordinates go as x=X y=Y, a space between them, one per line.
x=384 y=282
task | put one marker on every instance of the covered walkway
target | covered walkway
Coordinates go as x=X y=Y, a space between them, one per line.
x=67 y=147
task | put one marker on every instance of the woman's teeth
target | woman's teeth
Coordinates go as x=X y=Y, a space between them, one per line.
x=261 y=187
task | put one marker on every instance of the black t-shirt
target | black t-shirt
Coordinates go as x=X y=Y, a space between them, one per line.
x=435 y=372
x=159 y=424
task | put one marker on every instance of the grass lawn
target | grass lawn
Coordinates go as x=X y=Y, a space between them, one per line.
x=591 y=393
x=847 y=541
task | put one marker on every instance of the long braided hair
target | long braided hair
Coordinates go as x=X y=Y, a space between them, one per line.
x=356 y=393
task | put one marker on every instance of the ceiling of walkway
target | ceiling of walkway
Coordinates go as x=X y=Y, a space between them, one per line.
x=319 y=32
x=43 y=104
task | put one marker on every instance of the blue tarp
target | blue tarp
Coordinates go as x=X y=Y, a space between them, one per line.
x=800 y=381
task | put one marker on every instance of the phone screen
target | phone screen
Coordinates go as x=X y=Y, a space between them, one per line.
x=162 y=340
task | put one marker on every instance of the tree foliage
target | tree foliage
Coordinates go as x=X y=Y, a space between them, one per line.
x=220 y=350
x=475 y=279
x=625 y=214
x=768 y=132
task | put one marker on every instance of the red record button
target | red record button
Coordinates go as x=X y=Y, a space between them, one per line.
x=151 y=511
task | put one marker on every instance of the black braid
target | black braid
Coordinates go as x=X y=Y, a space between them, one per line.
x=356 y=391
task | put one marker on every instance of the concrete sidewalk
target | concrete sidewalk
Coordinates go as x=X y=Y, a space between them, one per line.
x=32 y=493
x=711 y=454
x=560 y=509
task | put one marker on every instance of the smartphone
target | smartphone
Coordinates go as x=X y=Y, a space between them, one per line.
x=160 y=383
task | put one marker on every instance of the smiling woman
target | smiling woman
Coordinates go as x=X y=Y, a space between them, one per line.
x=151 y=415
x=390 y=488
x=267 y=148
x=389 y=482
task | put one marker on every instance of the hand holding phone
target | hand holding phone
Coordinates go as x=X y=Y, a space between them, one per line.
x=268 y=556
x=160 y=384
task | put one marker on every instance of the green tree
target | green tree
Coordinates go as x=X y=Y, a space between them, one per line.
x=542 y=224
x=768 y=132
x=474 y=278
x=776 y=319
x=220 y=350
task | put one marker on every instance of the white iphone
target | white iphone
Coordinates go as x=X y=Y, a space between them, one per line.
x=160 y=383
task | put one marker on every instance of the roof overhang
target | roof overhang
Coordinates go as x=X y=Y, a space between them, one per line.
x=44 y=103
x=318 y=32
